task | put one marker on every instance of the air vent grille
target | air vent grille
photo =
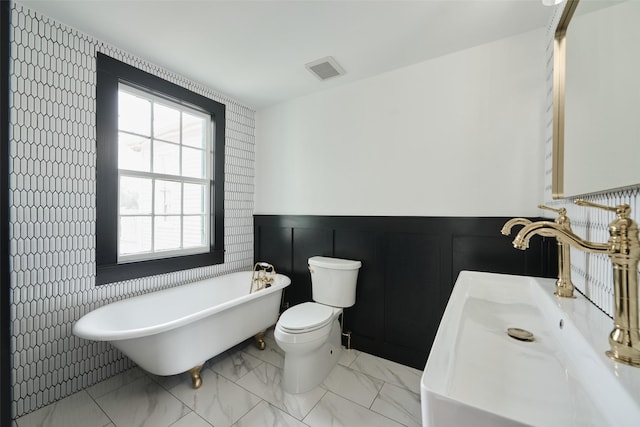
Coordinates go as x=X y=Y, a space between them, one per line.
x=325 y=68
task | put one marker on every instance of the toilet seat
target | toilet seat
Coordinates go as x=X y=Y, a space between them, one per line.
x=305 y=317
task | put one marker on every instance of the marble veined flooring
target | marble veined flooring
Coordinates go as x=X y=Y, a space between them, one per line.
x=241 y=388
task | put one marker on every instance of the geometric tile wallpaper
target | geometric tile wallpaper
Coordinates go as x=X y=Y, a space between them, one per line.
x=591 y=273
x=52 y=207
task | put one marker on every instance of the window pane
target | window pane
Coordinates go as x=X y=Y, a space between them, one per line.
x=135 y=195
x=166 y=123
x=194 y=199
x=168 y=197
x=166 y=158
x=134 y=152
x=167 y=232
x=194 y=231
x=134 y=114
x=193 y=130
x=193 y=163
x=135 y=234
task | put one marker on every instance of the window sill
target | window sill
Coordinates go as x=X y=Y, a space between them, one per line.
x=134 y=270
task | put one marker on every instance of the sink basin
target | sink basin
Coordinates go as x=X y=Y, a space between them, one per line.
x=478 y=375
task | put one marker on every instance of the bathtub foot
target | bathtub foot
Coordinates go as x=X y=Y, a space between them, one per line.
x=260 y=343
x=195 y=376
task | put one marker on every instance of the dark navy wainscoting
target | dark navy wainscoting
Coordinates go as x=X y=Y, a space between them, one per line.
x=409 y=267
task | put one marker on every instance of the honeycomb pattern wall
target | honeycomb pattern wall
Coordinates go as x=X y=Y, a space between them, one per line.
x=52 y=207
x=591 y=273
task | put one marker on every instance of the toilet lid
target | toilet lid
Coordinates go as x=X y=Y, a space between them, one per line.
x=305 y=316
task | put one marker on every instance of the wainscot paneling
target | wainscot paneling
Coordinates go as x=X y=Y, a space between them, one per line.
x=409 y=267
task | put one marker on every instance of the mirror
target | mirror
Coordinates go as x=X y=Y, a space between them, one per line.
x=596 y=131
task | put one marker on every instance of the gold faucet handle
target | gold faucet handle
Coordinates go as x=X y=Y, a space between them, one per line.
x=562 y=215
x=560 y=211
x=623 y=211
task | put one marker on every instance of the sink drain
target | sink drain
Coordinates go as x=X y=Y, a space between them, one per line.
x=520 y=334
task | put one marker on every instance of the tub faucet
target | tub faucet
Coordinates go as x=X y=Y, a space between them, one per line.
x=264 y=275
x=623 y=248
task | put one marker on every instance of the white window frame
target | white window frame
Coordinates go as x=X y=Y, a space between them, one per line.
x=206 y=181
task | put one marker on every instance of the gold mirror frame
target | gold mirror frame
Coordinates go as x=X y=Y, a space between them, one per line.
x=559 y=55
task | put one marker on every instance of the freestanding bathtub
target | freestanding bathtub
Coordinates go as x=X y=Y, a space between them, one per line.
x=176 y=330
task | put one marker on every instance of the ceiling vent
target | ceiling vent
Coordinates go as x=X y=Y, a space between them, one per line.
x=325 y=68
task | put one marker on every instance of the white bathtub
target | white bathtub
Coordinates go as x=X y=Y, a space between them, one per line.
x=175 y=330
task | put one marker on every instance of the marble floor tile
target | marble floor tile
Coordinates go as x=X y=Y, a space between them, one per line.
x=336 y=411
x=191 y=420
x=219 y=401
x=266 y=415
x=388 y=371
x=348 y=356
x=142 y=403
x=265 y=381
x=115 y=382
x=242 y=388
x=399 y=404
x=235 y=365
x=271 y=354
x=170 y=381
x=353 y=385
x=77 y=410
x=269 y=332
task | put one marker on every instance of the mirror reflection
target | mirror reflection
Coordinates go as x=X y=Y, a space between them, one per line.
x=601 y=97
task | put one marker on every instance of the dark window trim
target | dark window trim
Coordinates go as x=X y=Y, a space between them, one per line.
x=110 y=72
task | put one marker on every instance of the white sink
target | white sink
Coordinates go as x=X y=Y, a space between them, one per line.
x=477 y=375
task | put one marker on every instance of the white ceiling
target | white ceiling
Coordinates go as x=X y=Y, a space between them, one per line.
x=255 y=51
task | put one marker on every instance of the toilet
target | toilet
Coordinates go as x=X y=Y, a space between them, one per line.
x=310 y=333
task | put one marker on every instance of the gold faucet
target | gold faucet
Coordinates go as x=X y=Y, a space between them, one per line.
x=623 y=248
x=506 y=228
x=264 y=275
x=564 y=285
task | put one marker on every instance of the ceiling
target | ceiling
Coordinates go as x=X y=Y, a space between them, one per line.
x=255 y=51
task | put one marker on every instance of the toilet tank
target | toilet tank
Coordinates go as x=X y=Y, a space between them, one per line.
x=333 y=280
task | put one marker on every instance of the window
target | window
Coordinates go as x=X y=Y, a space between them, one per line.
x=160 y=172
x=163 y=177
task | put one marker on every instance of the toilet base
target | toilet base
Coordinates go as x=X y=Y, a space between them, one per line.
x=303 y=372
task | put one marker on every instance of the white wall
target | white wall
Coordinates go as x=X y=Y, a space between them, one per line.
x=459 y=135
